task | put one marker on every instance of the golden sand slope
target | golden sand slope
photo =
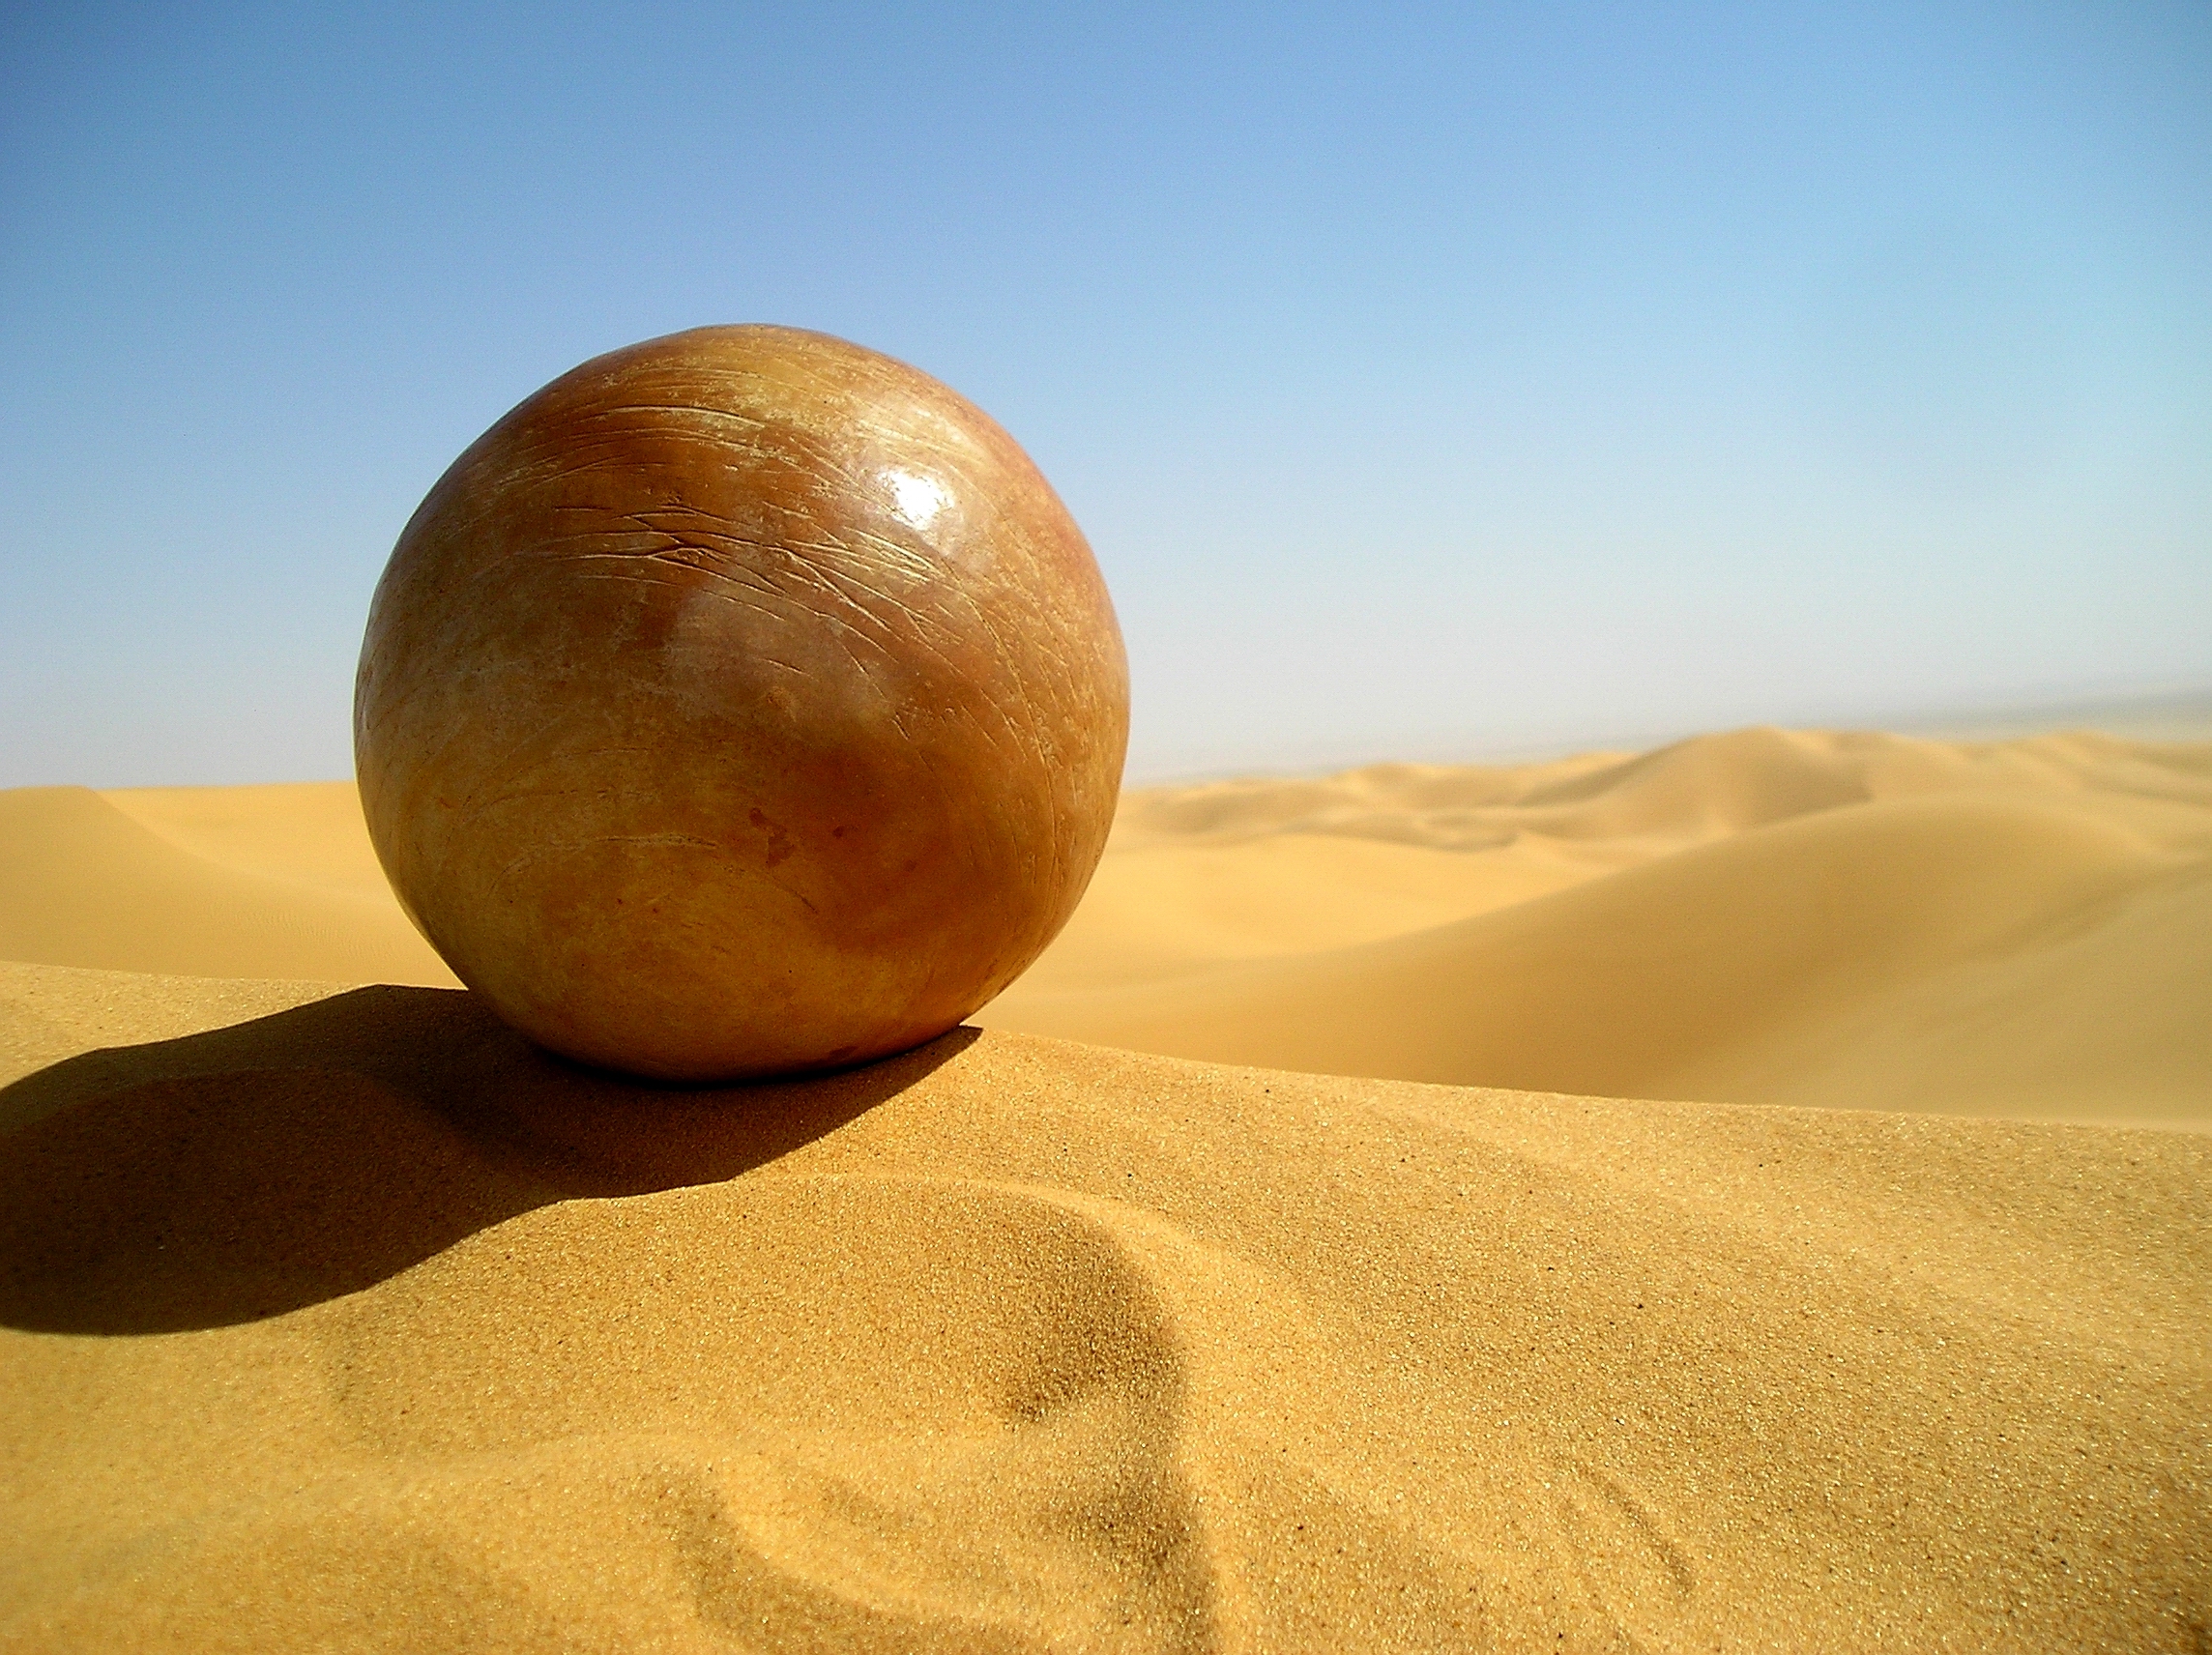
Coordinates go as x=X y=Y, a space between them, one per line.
x=253 y=882
x=362 y=1326
x=1859 y=920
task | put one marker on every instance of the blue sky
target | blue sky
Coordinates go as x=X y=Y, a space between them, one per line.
x=1427 y=379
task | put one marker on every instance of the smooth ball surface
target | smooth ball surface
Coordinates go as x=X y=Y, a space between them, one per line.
x=743 y=702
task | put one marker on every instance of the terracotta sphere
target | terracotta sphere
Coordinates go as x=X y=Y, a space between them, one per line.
x=743 y=702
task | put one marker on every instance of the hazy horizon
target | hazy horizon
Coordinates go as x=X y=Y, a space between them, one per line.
x=1552 y=374
x=2153 y=712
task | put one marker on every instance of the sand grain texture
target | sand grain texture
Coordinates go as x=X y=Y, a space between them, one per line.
x=337 y=1318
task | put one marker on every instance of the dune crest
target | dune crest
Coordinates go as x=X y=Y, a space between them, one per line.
x=291 y=890
x=2019 y=928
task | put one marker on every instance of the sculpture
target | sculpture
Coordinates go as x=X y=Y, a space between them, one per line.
x=743 y=702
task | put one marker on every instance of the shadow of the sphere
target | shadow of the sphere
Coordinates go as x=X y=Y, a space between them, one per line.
x=250 y=1171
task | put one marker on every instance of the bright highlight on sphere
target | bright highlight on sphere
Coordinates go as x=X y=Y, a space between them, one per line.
x=743 y=702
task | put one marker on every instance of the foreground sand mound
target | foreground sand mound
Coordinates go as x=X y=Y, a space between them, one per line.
x=362 y=1325
x=2021 y=928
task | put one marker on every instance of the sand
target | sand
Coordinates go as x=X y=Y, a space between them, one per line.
x=2018 y=929
x=249 y=881
x=336 y=1317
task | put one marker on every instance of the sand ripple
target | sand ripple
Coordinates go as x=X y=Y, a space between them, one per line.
x=361 y=1325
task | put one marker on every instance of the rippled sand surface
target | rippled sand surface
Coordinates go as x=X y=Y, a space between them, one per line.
x=335 y=1317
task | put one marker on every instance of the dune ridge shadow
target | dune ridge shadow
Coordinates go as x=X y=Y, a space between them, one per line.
x=248 y=1171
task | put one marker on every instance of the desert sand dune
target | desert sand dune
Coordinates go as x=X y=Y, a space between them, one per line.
x=1692 y=789
x=309 y=833
x=274 y=888
x=362 y=1326
x=339 y=1318
x=1774 y=917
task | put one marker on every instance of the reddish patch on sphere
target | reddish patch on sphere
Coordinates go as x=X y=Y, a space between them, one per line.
x=743 y=702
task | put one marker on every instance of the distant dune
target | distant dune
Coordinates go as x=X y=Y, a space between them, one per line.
x=1172 y=1310
x=261 y=882
x=1863 y=921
